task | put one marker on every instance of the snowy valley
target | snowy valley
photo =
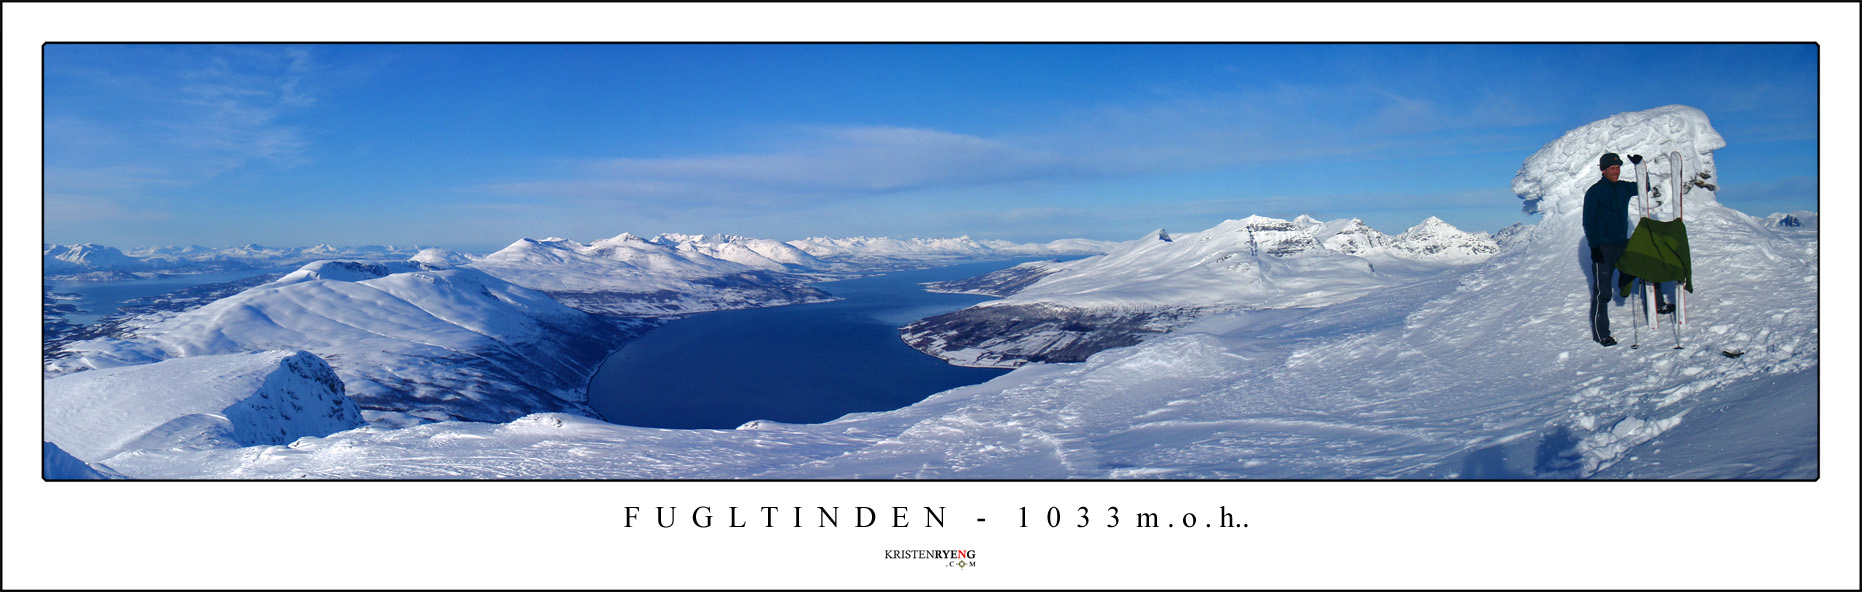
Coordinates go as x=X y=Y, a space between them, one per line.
x=1257 y=349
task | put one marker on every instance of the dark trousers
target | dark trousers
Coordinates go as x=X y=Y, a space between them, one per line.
x=1603 y=290
x=1603 y=260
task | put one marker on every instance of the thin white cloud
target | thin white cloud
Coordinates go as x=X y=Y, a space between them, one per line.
x=823 y=164
x=188 y=112
x=82 y=208
x=1175 y=134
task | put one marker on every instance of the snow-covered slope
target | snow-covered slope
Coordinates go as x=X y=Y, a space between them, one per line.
x=222 y=401
x=670 y=275
x=58 y=465
x=1152 y=284
x=413 y=343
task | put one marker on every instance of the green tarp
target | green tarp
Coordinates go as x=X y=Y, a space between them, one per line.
x=1657 y=252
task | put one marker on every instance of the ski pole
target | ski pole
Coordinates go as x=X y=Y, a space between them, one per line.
x=1677 y=324
x=1635 y=327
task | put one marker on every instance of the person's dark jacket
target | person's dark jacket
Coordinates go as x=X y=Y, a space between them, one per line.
x=1606 y=217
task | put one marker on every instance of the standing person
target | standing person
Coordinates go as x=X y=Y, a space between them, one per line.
x=1606 y=228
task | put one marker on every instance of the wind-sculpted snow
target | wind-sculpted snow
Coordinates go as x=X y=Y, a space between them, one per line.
x=1484 y=371
x=1553 y=180
x=413 y=343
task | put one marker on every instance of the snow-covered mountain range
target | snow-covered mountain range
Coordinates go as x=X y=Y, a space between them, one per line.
x=92 y=261
x=677 y=274
x=868 y=250
x=1484 y=370
x=667 y=275
x=1065 y=312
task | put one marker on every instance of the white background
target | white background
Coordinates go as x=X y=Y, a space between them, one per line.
x=568 y=535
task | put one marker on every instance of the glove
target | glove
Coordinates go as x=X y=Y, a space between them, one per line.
x=1596 y=254
x=1635 y=159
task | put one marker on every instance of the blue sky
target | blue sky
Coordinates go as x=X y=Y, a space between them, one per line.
x=474 y=146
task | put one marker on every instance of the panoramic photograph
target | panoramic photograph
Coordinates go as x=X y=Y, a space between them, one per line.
x=925 y=261
x=858 y=296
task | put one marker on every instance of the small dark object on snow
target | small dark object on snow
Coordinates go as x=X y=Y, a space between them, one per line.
x=1732 y=354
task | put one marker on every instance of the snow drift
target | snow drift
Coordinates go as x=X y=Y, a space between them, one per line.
x=1553 y=180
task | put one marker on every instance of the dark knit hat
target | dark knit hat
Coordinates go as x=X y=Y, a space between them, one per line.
x=1609 y=159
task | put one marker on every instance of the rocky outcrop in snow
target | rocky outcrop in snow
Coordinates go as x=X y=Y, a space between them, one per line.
x=217 y=401
x=1805 y=220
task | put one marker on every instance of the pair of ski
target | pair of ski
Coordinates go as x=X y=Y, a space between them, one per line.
x=1647 y=290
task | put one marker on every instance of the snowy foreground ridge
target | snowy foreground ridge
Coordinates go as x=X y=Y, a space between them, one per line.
x=1484 y=372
